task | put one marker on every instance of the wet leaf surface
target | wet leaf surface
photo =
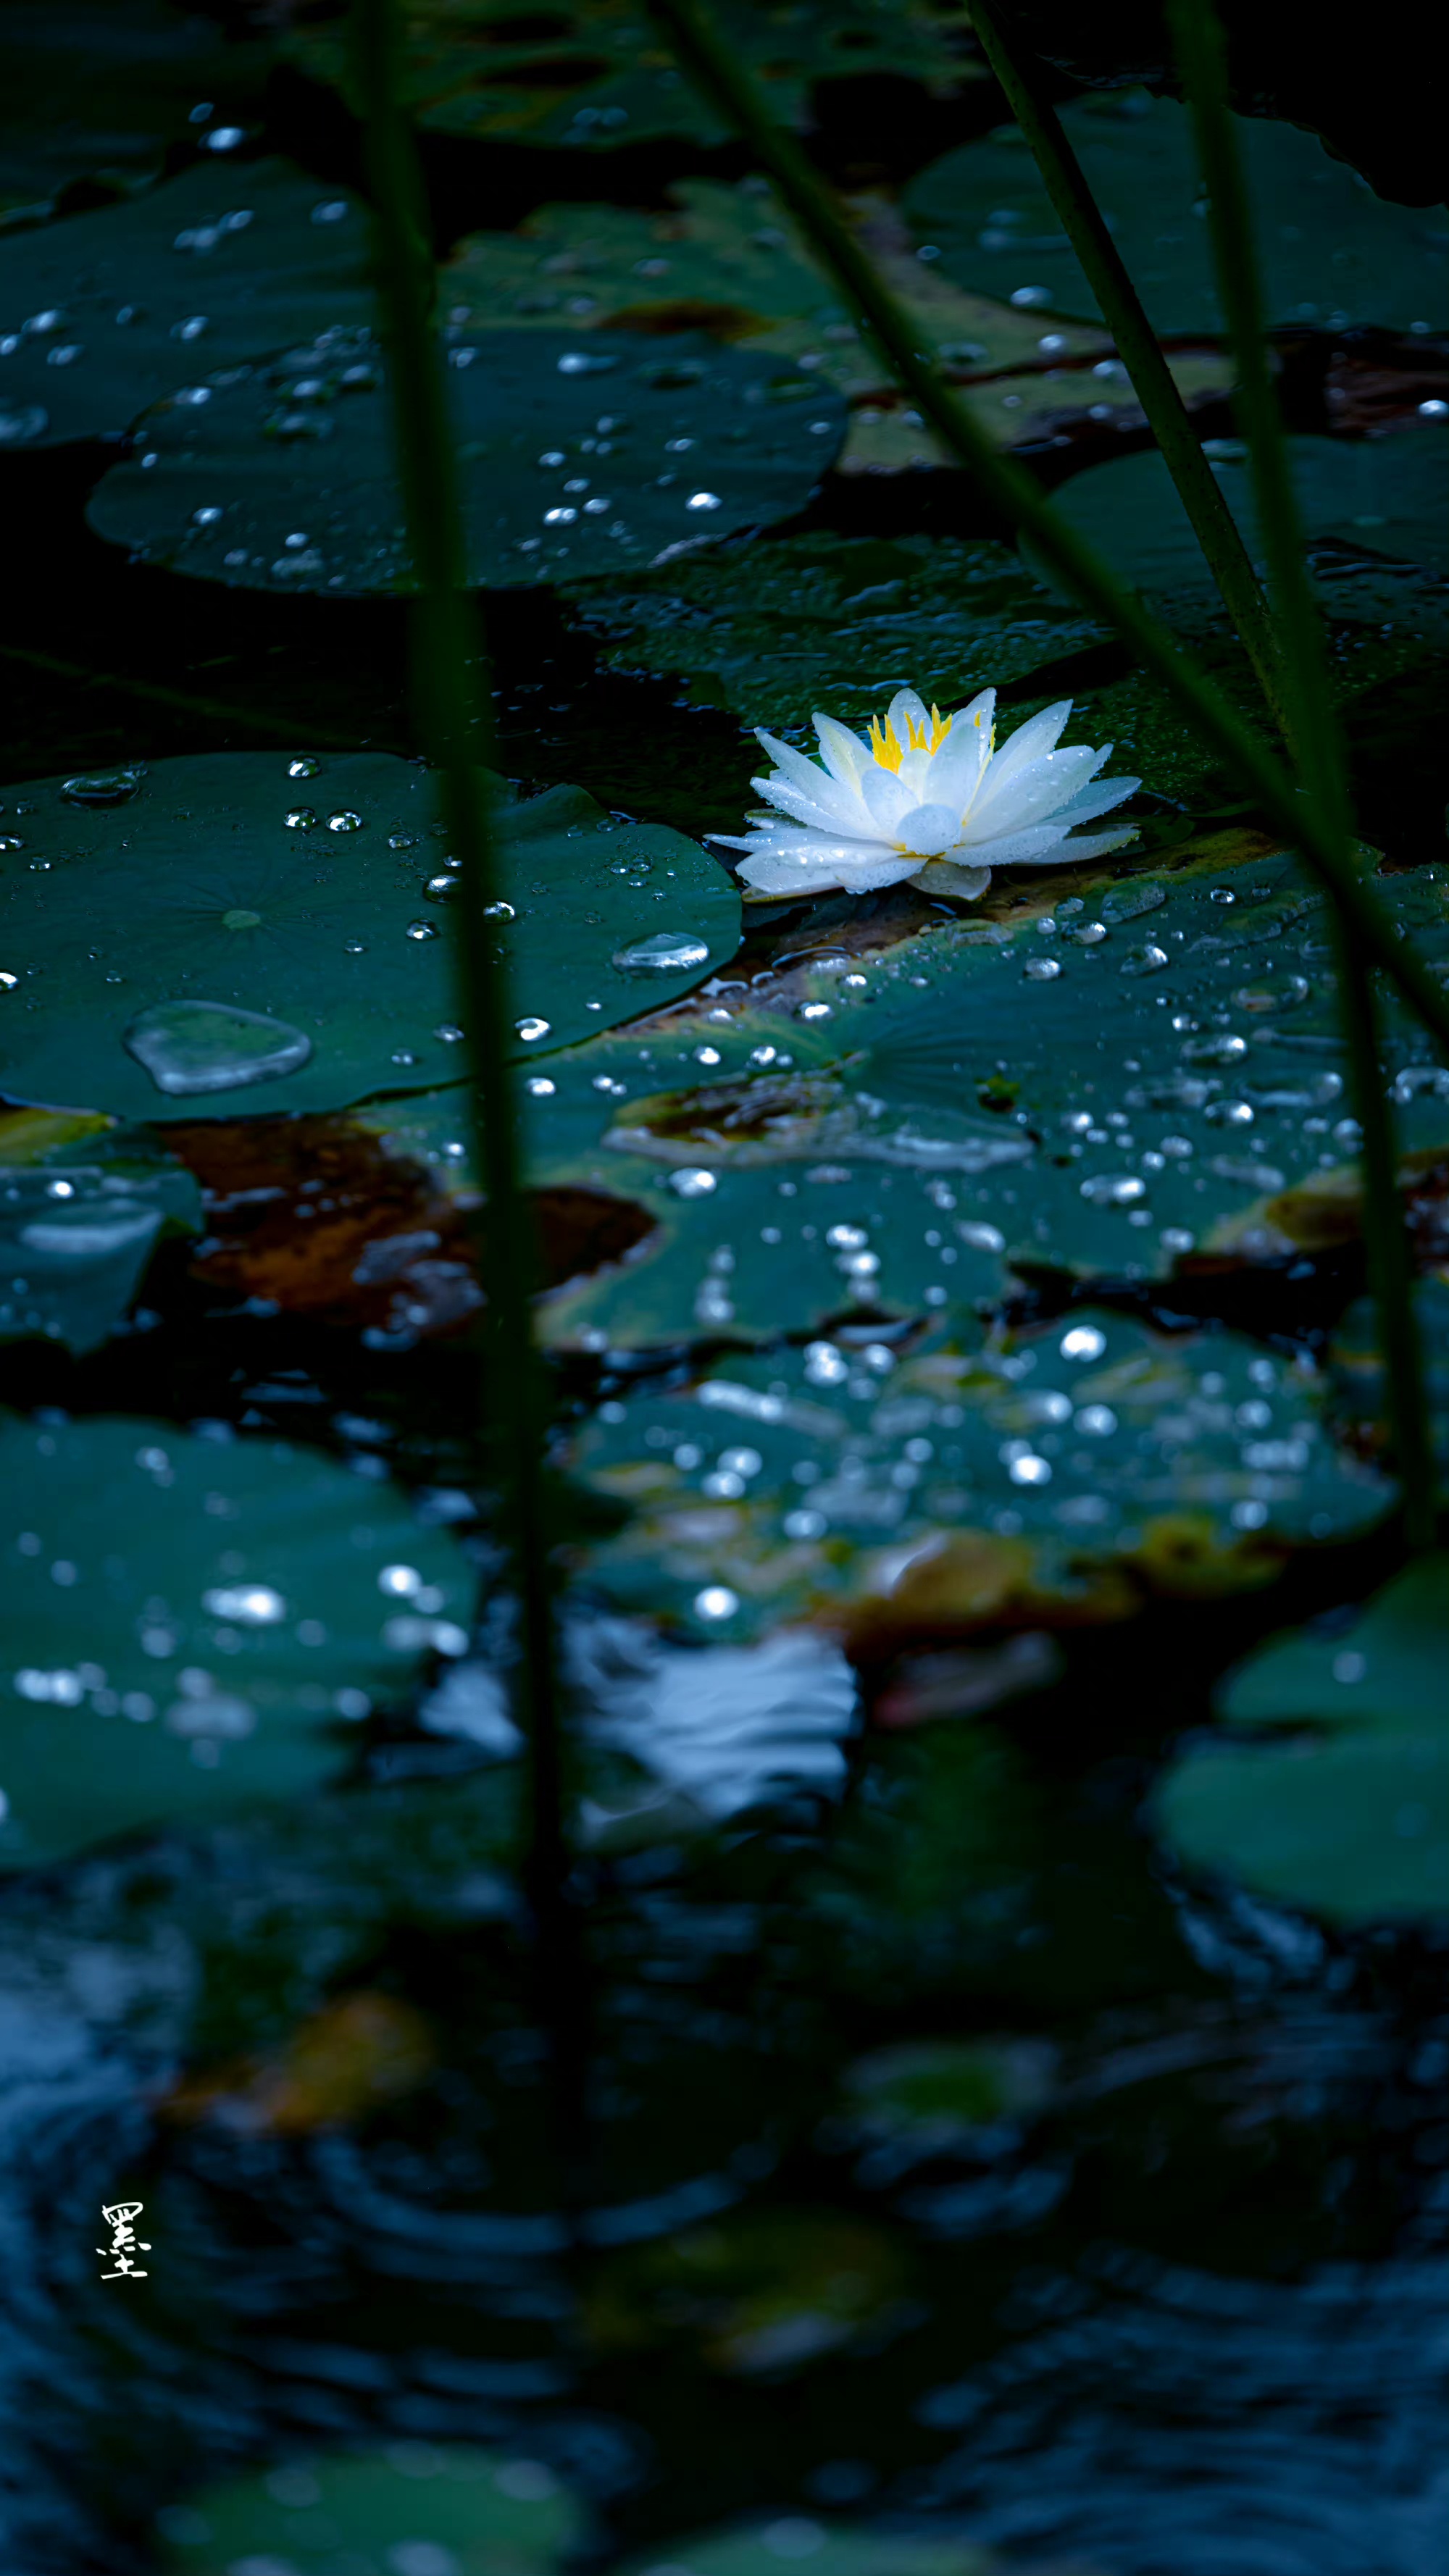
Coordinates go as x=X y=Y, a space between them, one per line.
x=167 y=295
x=253 y=925
x=1333 y=253
x=1059 y=1481
x=592 y=75
x=1336 y=1794
x=198 y=1621
x=572 y=459
x=776 y=630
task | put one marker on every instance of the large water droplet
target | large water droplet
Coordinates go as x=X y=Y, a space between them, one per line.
x=1149 y=959
x=1223 y=1050
x=304 y=766
x=531 y=1029
x=344 y=822
x=669 y=952
x=1272 y=993
x=189 y=1047
x=104 y=786
x=1129 y=902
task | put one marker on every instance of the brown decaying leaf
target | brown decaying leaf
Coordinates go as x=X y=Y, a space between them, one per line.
x=316 y=1217
x=346 y=2060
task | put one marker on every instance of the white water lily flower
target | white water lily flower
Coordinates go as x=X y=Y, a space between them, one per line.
x=922 y=790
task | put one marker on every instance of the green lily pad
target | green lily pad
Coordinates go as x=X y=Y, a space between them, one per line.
x=168 y=294
x=755 y=2291
x=595 y=74
x=190 y=1619
x=1384 y=494
x=240 y=930
x=1339 y=1800
x=77 y=1229
x=1332 y=254
x=1110 y=1085
x=776 y=629
x=1057 y=1481
x=573 y=459
x=98 y=95
x=413 y=2510
x=835 y=2549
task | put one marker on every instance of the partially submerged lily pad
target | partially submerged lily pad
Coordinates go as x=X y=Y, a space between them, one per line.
x=241 y=930
x=421 y=2511
x=1384 y=495
x=776 y=629
x=105 y=313
x=1060 y=1481
x=1332 y=253
x=79 y=1224
x=575 y=455
x=1335 y=1795
x=190 y=1622
x=593 y=74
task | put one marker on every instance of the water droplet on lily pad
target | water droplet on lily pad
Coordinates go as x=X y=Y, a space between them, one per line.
x=1129 y=902
x=200 y=1046
x=301 y=819
x=668 y=952
x=303 y=767
x=422 y=930
x=345 y=822
x=104 y=786
x=531 y=1028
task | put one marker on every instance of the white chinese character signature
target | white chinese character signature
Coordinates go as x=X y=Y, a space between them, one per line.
x=118 y=2215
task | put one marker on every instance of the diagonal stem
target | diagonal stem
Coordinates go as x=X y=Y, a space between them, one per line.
x=898 y=336
x=1213 y=524
x=1197 y=36
x=454 y=705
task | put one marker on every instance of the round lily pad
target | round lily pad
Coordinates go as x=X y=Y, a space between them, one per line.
x=169 y=293
x=241 y=931
x=189 y=1622
x=1331 y=253
x=778 y=629
x=414 y=2510
x=1336 y=1794
x=77 y=1229
x=1385 y=495
x=595 y=74
x=1057 y=1481
x=577 y=454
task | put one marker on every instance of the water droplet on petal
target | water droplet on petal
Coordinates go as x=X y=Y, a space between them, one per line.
x=189 y=1047
x=668 y=952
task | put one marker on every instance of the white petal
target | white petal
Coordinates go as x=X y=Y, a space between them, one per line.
x=884 y=798
x=942 y=876
x=929 y=829
x=860 y=871
x=1099 y=799
x=842 y=751
x=1038 y=735
x=906 y=708
x=807 y=775
x=1093 y=845
x=1038 y=788
x=1014 y=849
x=833 y=809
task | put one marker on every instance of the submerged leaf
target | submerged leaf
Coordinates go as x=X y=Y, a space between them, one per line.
x=1339 y=1799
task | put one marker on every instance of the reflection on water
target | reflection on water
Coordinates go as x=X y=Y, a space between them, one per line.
x=1133 y=2268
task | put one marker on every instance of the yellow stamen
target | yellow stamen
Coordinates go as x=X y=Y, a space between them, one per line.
x=887 y=749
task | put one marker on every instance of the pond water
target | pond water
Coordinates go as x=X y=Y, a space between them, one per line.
x=960 y=2117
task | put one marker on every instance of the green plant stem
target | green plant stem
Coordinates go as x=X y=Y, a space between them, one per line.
x=1197 y=37
x=1214 y=526
x=1016 y=496
x=453 y=699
